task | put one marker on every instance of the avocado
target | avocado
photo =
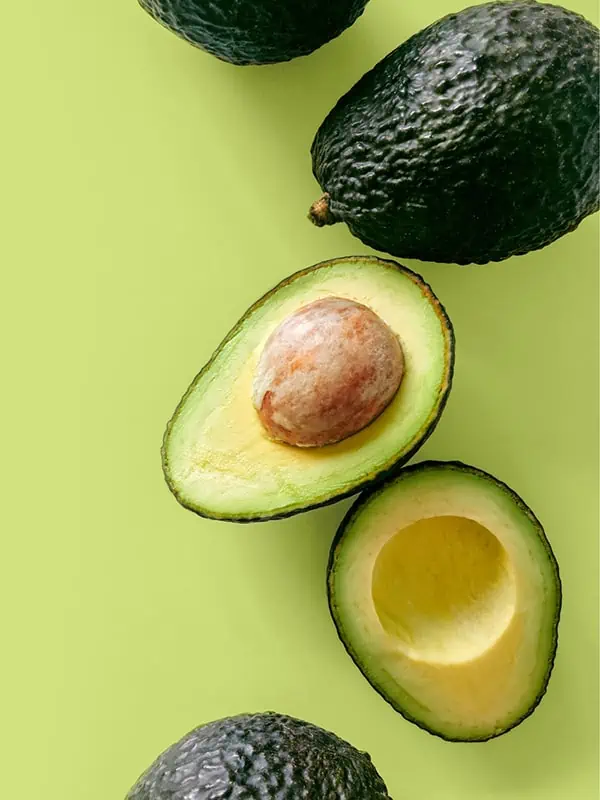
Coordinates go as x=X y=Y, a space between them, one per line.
x=475 y=140
x=256 y=31
x=446 y=594
x=224 y=455
x=261 y=756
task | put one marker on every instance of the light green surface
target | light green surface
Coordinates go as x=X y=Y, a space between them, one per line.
x=149 y=194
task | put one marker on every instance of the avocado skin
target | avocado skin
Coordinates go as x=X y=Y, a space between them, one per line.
x=256 y=31
x=475 y=140
x=376 y=477
x=264 y=756
x=364 y=497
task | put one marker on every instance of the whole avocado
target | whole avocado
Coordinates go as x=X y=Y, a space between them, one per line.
x=256 y=31
x=475 y=140
x=264 y=756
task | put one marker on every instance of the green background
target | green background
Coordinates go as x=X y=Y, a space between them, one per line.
x=150 y=193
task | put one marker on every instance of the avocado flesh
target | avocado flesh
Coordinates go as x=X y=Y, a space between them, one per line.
x=217 y=458
x=475 y=140
x=255 y=31
x=445 y=592
x=261 y=756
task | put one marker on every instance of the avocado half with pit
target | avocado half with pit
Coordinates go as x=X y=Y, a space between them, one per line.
x=329 y=381
x=446 y=594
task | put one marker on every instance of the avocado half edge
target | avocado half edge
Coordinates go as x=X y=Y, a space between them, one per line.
x=446 y=594
x=218 y=461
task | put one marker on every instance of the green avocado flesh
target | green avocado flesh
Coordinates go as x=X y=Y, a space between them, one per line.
x=217 y=458
x=256 y=31
x=475 y=140
x=260 y=756
x=446 y=593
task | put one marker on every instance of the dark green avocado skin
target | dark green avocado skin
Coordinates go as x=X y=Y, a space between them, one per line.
x=475 y=140
x=264 y=757
x=256 y=31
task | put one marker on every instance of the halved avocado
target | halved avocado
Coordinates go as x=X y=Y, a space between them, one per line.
x=446 y=594
x=217 y=458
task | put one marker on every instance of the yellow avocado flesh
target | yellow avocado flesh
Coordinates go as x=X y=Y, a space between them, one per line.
x=446 y=593
x=219 y=461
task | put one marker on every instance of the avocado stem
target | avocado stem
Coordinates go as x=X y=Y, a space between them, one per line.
x=320 y=213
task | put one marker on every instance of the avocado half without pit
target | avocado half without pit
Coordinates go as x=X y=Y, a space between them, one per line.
x=329 y=381
x=446 y=594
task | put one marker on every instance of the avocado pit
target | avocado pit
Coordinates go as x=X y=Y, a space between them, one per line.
x=326 y=372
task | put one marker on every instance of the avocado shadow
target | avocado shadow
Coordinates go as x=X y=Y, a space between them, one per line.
x=527 y=350
x=282 y=105
x=526 y=395
x=293 y=554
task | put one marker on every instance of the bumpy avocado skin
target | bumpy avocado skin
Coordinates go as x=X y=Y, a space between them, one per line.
x=264 y=756
x=256 y=31
x=475 y=140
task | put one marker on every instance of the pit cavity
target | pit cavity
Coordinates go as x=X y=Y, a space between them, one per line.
x=444 y=588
